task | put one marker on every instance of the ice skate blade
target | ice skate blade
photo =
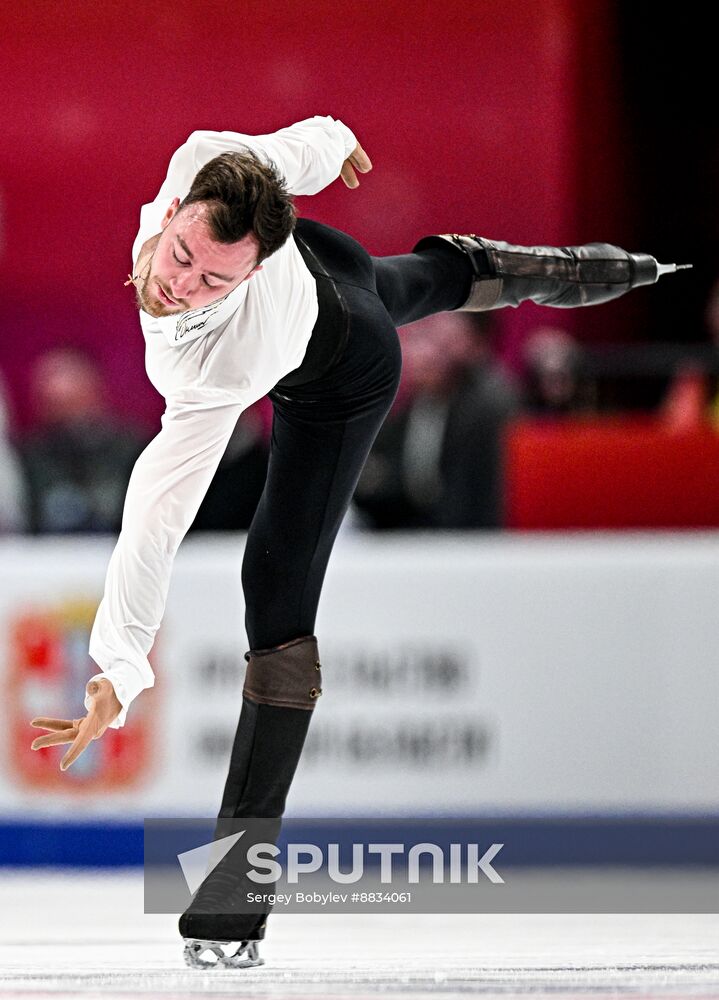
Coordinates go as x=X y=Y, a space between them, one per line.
x=196 y=947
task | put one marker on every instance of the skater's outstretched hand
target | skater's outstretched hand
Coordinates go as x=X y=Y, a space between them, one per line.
x=359 y=159
x=104 y=707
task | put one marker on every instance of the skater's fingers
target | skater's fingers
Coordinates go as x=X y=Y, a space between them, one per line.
x=361 y=160
x=88 y=729
x=104 y=707
x=348 y=175
x=53 y=739
x=42 y=723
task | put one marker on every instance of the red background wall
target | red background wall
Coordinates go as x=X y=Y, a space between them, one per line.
x=495 y=118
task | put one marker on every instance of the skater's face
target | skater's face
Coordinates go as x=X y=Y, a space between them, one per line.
x=188 y=268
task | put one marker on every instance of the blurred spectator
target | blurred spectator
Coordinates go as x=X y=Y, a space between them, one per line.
x=686 y=404
x=552 y=381
x=437 y=460
x=230 y=502
x=79 y=459
x=13 y=500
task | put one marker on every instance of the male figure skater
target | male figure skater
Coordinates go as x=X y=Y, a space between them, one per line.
x=237 y=300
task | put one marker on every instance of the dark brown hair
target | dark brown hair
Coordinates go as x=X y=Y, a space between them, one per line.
x=244 y=195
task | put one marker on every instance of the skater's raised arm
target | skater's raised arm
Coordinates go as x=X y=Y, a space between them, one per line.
x=309 y=155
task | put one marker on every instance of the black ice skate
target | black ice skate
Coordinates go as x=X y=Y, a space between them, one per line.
x=217 y=933
x=564 y=277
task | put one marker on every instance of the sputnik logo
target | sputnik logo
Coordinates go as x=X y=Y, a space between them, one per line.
x=198 y=863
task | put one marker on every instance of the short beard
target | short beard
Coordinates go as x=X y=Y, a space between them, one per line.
x=151 y=304
x=148 y=303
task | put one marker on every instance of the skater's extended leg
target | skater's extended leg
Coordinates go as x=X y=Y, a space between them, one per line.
x=472 y=273
x=564 y=277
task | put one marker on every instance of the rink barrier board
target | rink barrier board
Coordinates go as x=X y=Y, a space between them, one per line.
x=506 y=675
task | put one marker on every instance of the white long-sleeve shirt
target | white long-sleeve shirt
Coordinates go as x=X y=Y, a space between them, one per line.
x=210 y=364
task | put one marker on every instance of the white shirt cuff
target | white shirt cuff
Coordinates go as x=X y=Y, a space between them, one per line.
x=348 y=137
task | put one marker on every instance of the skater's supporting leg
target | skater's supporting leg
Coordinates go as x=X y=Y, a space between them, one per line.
x=321 y=436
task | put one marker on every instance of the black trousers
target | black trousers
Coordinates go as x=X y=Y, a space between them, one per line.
x=323 y=429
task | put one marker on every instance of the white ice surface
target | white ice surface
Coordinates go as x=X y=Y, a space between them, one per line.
x=81 y=935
